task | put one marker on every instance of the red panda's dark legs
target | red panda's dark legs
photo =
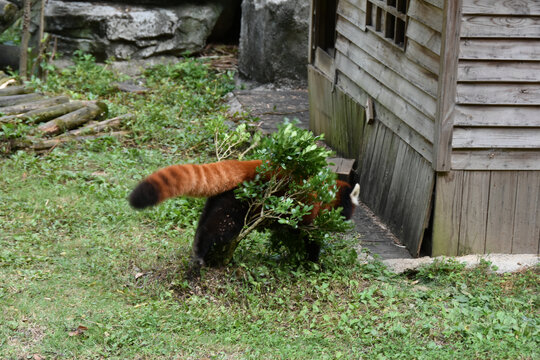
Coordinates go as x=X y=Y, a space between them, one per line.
x=221 y=221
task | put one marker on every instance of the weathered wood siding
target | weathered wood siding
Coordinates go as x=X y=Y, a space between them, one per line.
x=486 y=212
x=497 y=118
x=403 y=82
x=395 y=153
x=396 y=181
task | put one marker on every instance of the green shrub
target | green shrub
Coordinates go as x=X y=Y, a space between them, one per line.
x=300 y=178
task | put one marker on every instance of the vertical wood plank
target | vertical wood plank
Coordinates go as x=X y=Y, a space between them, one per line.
x=447 y=214
x=355 y=118
x=501 y=210
x=420 y=206
x=527 y=216
x=408 y=214
x=370 y=136
x=393 y=192
x=387 y=174
x=372 y=178
x=472 y=234
x=442 y=144
x=320 y=102
x=402 y=181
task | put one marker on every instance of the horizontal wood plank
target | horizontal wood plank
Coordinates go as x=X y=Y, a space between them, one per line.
x=499 y=49
x=507 y=7
x=406 y=133
x=496 y=159
x=498 y=71
x=498 y=94
x=324 y=62
x=422 y=56
x=473 y=26
x=427 y=14
x=479 y=115
x=392 y=80
x=496 y=138
x=389 y=56
x=424 y=36
x=386 y=97
x=361 y=4
x=437 y=3
x=352 y=13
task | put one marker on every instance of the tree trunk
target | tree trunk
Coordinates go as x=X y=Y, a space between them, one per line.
x=41 y=43
x=15 y=90
x=25 y=38
x=23 y=108
x=33 y=143
x=44 y=114
x=73 y=119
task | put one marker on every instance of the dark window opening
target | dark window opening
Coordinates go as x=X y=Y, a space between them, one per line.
x=324 y=25
x=388 y=19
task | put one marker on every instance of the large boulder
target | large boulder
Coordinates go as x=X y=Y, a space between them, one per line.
x=274 y=41
x=131 y=31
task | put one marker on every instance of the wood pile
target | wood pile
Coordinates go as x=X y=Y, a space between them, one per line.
x=51 y=121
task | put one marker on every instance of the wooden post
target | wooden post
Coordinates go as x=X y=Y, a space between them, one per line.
x=446 y=93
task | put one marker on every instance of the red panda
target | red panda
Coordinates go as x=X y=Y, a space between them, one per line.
x=223 y=215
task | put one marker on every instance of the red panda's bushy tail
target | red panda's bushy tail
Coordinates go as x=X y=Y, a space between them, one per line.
x=203 y=180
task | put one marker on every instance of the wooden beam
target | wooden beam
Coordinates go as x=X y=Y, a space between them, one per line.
x=442 y=144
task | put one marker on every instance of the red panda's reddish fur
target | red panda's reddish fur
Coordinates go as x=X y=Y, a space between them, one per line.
x=203 y=180
x=206 y=180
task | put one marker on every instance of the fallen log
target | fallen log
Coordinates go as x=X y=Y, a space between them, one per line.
x=6 y=81
x=40 y=115
x=19 y=99
x=33 y=143
x=15 y=90
x=97 y=127
x=73 y=119
x=23 y=108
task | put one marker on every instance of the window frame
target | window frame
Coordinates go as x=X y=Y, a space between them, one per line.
x=388 y=20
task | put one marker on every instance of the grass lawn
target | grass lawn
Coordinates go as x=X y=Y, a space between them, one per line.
x=83 y=276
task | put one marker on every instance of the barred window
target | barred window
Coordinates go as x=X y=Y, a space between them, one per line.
x=388 y=19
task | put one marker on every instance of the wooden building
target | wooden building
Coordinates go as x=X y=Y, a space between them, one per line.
x=439 y=101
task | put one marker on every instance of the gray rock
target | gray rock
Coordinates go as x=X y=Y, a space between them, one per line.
x=126 y=31
x=274 y=41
